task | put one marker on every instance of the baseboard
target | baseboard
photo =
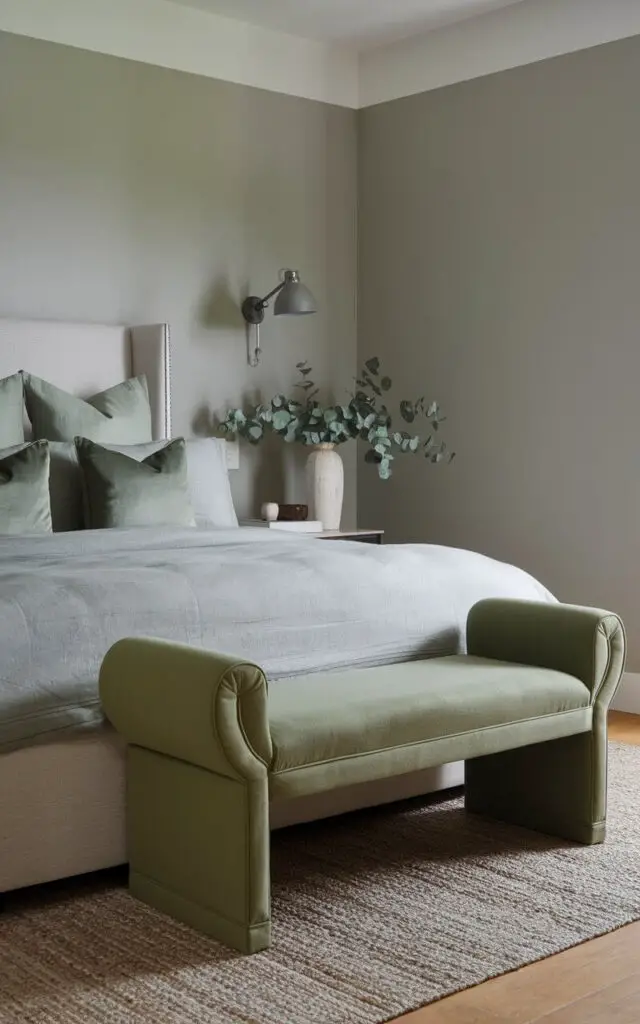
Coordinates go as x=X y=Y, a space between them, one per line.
x=628 y=696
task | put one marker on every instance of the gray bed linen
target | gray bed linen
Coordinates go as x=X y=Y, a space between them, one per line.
x=293 y=604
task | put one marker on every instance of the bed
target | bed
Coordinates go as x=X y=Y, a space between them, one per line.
x=61 y=802
x=62 y=787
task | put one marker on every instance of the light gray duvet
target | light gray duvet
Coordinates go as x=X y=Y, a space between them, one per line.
x=293 y=604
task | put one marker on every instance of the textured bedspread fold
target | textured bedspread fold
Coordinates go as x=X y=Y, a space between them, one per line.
x=293 y=604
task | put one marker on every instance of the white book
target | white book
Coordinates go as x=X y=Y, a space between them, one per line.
x=294 y=526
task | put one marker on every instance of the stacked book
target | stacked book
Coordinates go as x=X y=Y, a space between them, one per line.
x=292 y=526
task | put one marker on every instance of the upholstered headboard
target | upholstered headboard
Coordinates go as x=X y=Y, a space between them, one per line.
x=87 y=358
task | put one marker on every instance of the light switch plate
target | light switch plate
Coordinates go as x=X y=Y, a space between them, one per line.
x=233 y=454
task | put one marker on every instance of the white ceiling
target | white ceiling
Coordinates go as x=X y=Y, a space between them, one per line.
x=358 y=23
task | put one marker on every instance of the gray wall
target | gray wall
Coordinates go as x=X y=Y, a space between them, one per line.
x=500 y=273
x=130 y=193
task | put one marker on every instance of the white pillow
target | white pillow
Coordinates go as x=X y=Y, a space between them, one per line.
x=209 y=485
x=208 y=476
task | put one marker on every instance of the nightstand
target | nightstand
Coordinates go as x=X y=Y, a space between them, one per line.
x=363 y=536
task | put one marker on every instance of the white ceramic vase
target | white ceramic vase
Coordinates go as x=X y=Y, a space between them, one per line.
x=325 y=485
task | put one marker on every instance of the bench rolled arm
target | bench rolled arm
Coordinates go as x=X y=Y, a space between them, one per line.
x=587 y=643
x=188 y=703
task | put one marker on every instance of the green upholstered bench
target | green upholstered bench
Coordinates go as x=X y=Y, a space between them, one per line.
x=209 y=746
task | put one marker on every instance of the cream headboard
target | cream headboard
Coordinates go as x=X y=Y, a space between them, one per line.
x=87 y=358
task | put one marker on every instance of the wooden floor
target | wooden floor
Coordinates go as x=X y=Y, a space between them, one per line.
x=595 y=983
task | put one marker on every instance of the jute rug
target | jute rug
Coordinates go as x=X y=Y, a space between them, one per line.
x=374 y=914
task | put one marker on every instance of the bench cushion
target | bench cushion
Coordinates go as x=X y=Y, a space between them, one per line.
x=340 y=728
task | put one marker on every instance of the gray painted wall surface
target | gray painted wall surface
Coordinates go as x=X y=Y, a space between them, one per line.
x=500 y=272
x=130 y=193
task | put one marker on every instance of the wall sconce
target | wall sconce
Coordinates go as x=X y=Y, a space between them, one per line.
x=294 y=299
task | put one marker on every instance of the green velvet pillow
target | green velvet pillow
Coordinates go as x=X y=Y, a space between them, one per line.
x=120 y=415
x=119 y=491
x=11 y=411
x=24 y=490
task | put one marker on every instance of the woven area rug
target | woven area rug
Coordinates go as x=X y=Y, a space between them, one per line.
x=374 y=914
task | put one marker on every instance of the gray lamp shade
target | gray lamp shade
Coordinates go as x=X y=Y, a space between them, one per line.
x=294 y=298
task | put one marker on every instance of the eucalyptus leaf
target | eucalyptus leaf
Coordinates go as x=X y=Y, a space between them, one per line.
x=373 y=366
x=281 y=419
x=386 y=383
x=407 y=412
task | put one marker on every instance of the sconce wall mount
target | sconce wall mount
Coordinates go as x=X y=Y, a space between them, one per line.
x=293 y=299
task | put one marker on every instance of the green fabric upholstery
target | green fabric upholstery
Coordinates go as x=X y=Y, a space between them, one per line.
x=379 y=722
x=11 y=411
x=584 y=642
x=209 y=746
x=197 y=793
x=207 y=709
x=558 y=787
x=24 y=489
x=119 y=415
x=120 y=491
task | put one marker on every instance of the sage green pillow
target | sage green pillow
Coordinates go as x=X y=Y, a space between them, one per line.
x=120 y=415
x=119 y=491
x=11 y=411
x=24 y=490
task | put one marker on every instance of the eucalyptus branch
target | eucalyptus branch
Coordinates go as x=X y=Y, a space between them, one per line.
x=365 y=417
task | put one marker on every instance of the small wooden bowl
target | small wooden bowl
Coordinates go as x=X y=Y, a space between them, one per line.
x=293 y=513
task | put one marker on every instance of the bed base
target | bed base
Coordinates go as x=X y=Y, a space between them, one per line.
x=62 y=806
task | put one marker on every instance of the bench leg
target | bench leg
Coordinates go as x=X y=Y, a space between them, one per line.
x=199 y=847
x=558 y=787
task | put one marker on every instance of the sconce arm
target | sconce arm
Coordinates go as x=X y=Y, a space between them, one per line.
x=274 y=291
x=253 y=307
